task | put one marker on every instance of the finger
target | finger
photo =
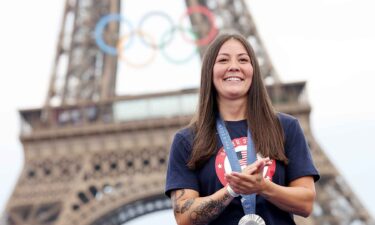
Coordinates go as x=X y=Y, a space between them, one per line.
x=255 y=177
x=256 y=163
x=233 y=178
x=249 y=170
x=238 y=180
x=268 y=161
x=242 y=187
x=243 y=179
x=235 y=184
x=239 y=176
x=239 y=187
x=262 y=164
x=252 y=167
x=255 y=167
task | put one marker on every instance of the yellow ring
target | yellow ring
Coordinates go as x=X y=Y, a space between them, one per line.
x=120 y=46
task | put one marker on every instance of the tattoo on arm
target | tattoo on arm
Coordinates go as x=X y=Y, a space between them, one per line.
x=185 y=207
x=208 y=210
x=203 y=213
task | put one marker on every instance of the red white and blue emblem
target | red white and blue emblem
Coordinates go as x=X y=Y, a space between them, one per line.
x=222 y=164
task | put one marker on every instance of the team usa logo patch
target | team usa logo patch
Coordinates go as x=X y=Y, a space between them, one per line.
x=222 y=164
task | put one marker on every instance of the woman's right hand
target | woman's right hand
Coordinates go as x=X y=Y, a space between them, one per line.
x=250 y=180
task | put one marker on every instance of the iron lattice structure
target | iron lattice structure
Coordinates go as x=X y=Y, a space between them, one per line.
x=86 y=158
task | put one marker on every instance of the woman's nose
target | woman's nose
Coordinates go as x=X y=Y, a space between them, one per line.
x=233 y=66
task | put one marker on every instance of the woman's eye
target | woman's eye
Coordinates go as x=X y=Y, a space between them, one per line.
x=222 y=60
x=244 y=60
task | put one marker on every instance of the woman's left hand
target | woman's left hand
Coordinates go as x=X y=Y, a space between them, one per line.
x=250 y=180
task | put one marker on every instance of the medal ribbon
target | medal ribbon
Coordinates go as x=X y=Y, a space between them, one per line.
x=248 y=201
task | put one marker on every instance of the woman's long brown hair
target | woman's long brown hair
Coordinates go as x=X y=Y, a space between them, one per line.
x=265 y=127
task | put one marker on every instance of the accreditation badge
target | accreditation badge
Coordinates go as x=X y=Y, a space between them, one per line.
x=251 y=219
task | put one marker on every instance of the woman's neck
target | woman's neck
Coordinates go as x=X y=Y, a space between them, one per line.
x=232 y=110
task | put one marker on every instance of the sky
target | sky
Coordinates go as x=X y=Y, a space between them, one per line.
x=328 y=43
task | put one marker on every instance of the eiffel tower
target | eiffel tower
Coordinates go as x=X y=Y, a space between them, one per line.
x=86 y=158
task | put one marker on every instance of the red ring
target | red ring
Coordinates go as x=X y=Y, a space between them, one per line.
x=211 y=34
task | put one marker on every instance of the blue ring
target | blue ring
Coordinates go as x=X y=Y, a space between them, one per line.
x=99 y=29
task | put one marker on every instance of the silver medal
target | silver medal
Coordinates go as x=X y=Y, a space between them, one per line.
x=251 y=219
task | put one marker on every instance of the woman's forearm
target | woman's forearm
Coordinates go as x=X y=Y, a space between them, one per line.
x=295 y=199
x=199 y=210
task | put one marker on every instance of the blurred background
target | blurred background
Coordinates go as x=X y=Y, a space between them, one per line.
x=328 y=43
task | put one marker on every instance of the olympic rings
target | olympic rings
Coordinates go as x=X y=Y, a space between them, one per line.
x=165 y=40
x=121 y=45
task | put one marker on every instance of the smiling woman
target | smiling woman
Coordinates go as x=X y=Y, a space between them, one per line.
x=235 y=122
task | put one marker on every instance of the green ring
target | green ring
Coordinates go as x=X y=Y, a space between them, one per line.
x=178 y=61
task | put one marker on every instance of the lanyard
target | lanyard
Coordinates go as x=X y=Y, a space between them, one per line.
x=248 y=201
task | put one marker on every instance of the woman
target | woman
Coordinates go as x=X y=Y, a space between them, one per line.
x=202 y=184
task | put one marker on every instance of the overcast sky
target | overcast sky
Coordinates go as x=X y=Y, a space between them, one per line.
x=328 y=43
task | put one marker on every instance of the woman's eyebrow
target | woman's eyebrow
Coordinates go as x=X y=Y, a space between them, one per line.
x=227 y=54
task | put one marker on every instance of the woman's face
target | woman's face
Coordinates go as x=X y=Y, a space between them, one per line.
x=233 y=72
